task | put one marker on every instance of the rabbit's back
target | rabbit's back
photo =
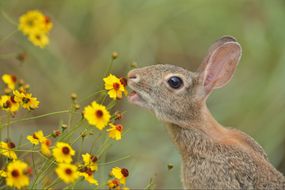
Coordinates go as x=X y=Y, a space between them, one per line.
x=210 y=165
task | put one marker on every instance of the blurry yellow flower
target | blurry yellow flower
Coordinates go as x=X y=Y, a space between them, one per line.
x=8 y=103
x=90 y=161
x=67 y=172
x=31 y=22
x=3 y=173
x=115 y=87
x=9 y=80
x=115 y=132
x=35 y=25
x=97 y=115
x=16 y=174
x=26 y=100
x=120 y=174
x=39 y=39
x=45 y=147
x=63 y=152
x=6 y=150
x=88 y=177
x=37 y=137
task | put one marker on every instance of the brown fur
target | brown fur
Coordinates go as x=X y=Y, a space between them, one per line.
x=213 y=157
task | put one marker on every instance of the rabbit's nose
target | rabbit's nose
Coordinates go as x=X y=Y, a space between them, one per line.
x=133 y=77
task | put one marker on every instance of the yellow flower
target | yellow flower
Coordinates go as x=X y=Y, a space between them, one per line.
x=45 y=147
x=115 y=132
x=115 y=87
x=39 y=39
x=97 y=115
x=16 y=174
x=3 y=173
x=88 y=177
x=90 y=161
x=37 y=137
x=63 y=152
x=120 y=174
x=6 y=150
x=31 y=22
x=67 y=172
x=36 y=26
x=9 y=103
x=26 y=100
x=10 y=81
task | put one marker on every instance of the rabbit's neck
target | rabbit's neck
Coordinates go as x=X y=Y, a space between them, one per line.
x=200 y=136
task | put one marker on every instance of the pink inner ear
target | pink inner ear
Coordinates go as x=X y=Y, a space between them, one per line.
x=221 y=66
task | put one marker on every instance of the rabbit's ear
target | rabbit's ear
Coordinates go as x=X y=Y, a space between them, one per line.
x=219 y=65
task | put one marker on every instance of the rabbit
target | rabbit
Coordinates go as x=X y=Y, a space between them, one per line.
x=213 y=157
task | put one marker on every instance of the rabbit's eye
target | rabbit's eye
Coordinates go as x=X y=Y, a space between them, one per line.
x=175 y=82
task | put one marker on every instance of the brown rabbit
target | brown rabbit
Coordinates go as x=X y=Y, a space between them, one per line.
x=213 y=157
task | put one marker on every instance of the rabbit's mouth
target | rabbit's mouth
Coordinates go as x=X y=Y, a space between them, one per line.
x=134 y=97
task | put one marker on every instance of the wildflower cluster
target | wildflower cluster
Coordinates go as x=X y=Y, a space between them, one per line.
x=16 y=95
x=43 y=156
x=36 y=26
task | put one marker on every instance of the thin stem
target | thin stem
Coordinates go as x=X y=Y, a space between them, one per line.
x=111 y=162
x=53 y=183
x=33 y=160
x=8 y=36
x=8 y=18
x=94 y=94
x=37 y=117
x=8 y=125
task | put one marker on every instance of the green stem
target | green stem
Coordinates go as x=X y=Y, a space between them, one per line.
x=8 y=36
x=8 y=18
x=111 y=162
x=37 y=117
x=53 y=183
x=8 y=125
x=94 y=94
x=33 y=160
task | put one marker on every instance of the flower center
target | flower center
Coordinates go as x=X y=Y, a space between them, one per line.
x=26 y=100
x=116 y=86
x=12 y=98
x=11 y=145
x=30 y=22
x=99 y=113
x=68 y=171
x=15 y=173
x=125 y=172
x=65 y=150
x=119 y=127
x=123 y=81
x=94 y=159
x=14 y=78
x=35 y=136
x=7 y=104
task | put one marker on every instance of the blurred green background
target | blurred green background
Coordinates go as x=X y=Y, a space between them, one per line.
x=149 y=32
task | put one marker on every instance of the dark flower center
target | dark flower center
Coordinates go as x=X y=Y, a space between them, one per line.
x=14 y=78
x=94 y=159
x=124 y=81
x=15 y=173
x=65 y=150
x=125 y=172
x=12 y=98
x=7 y=104
x=116 y=86
x=26 y=100
x=68 y=171
x=119 y=127
x=11 y=145
x=99 y=113
x=35 y=136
